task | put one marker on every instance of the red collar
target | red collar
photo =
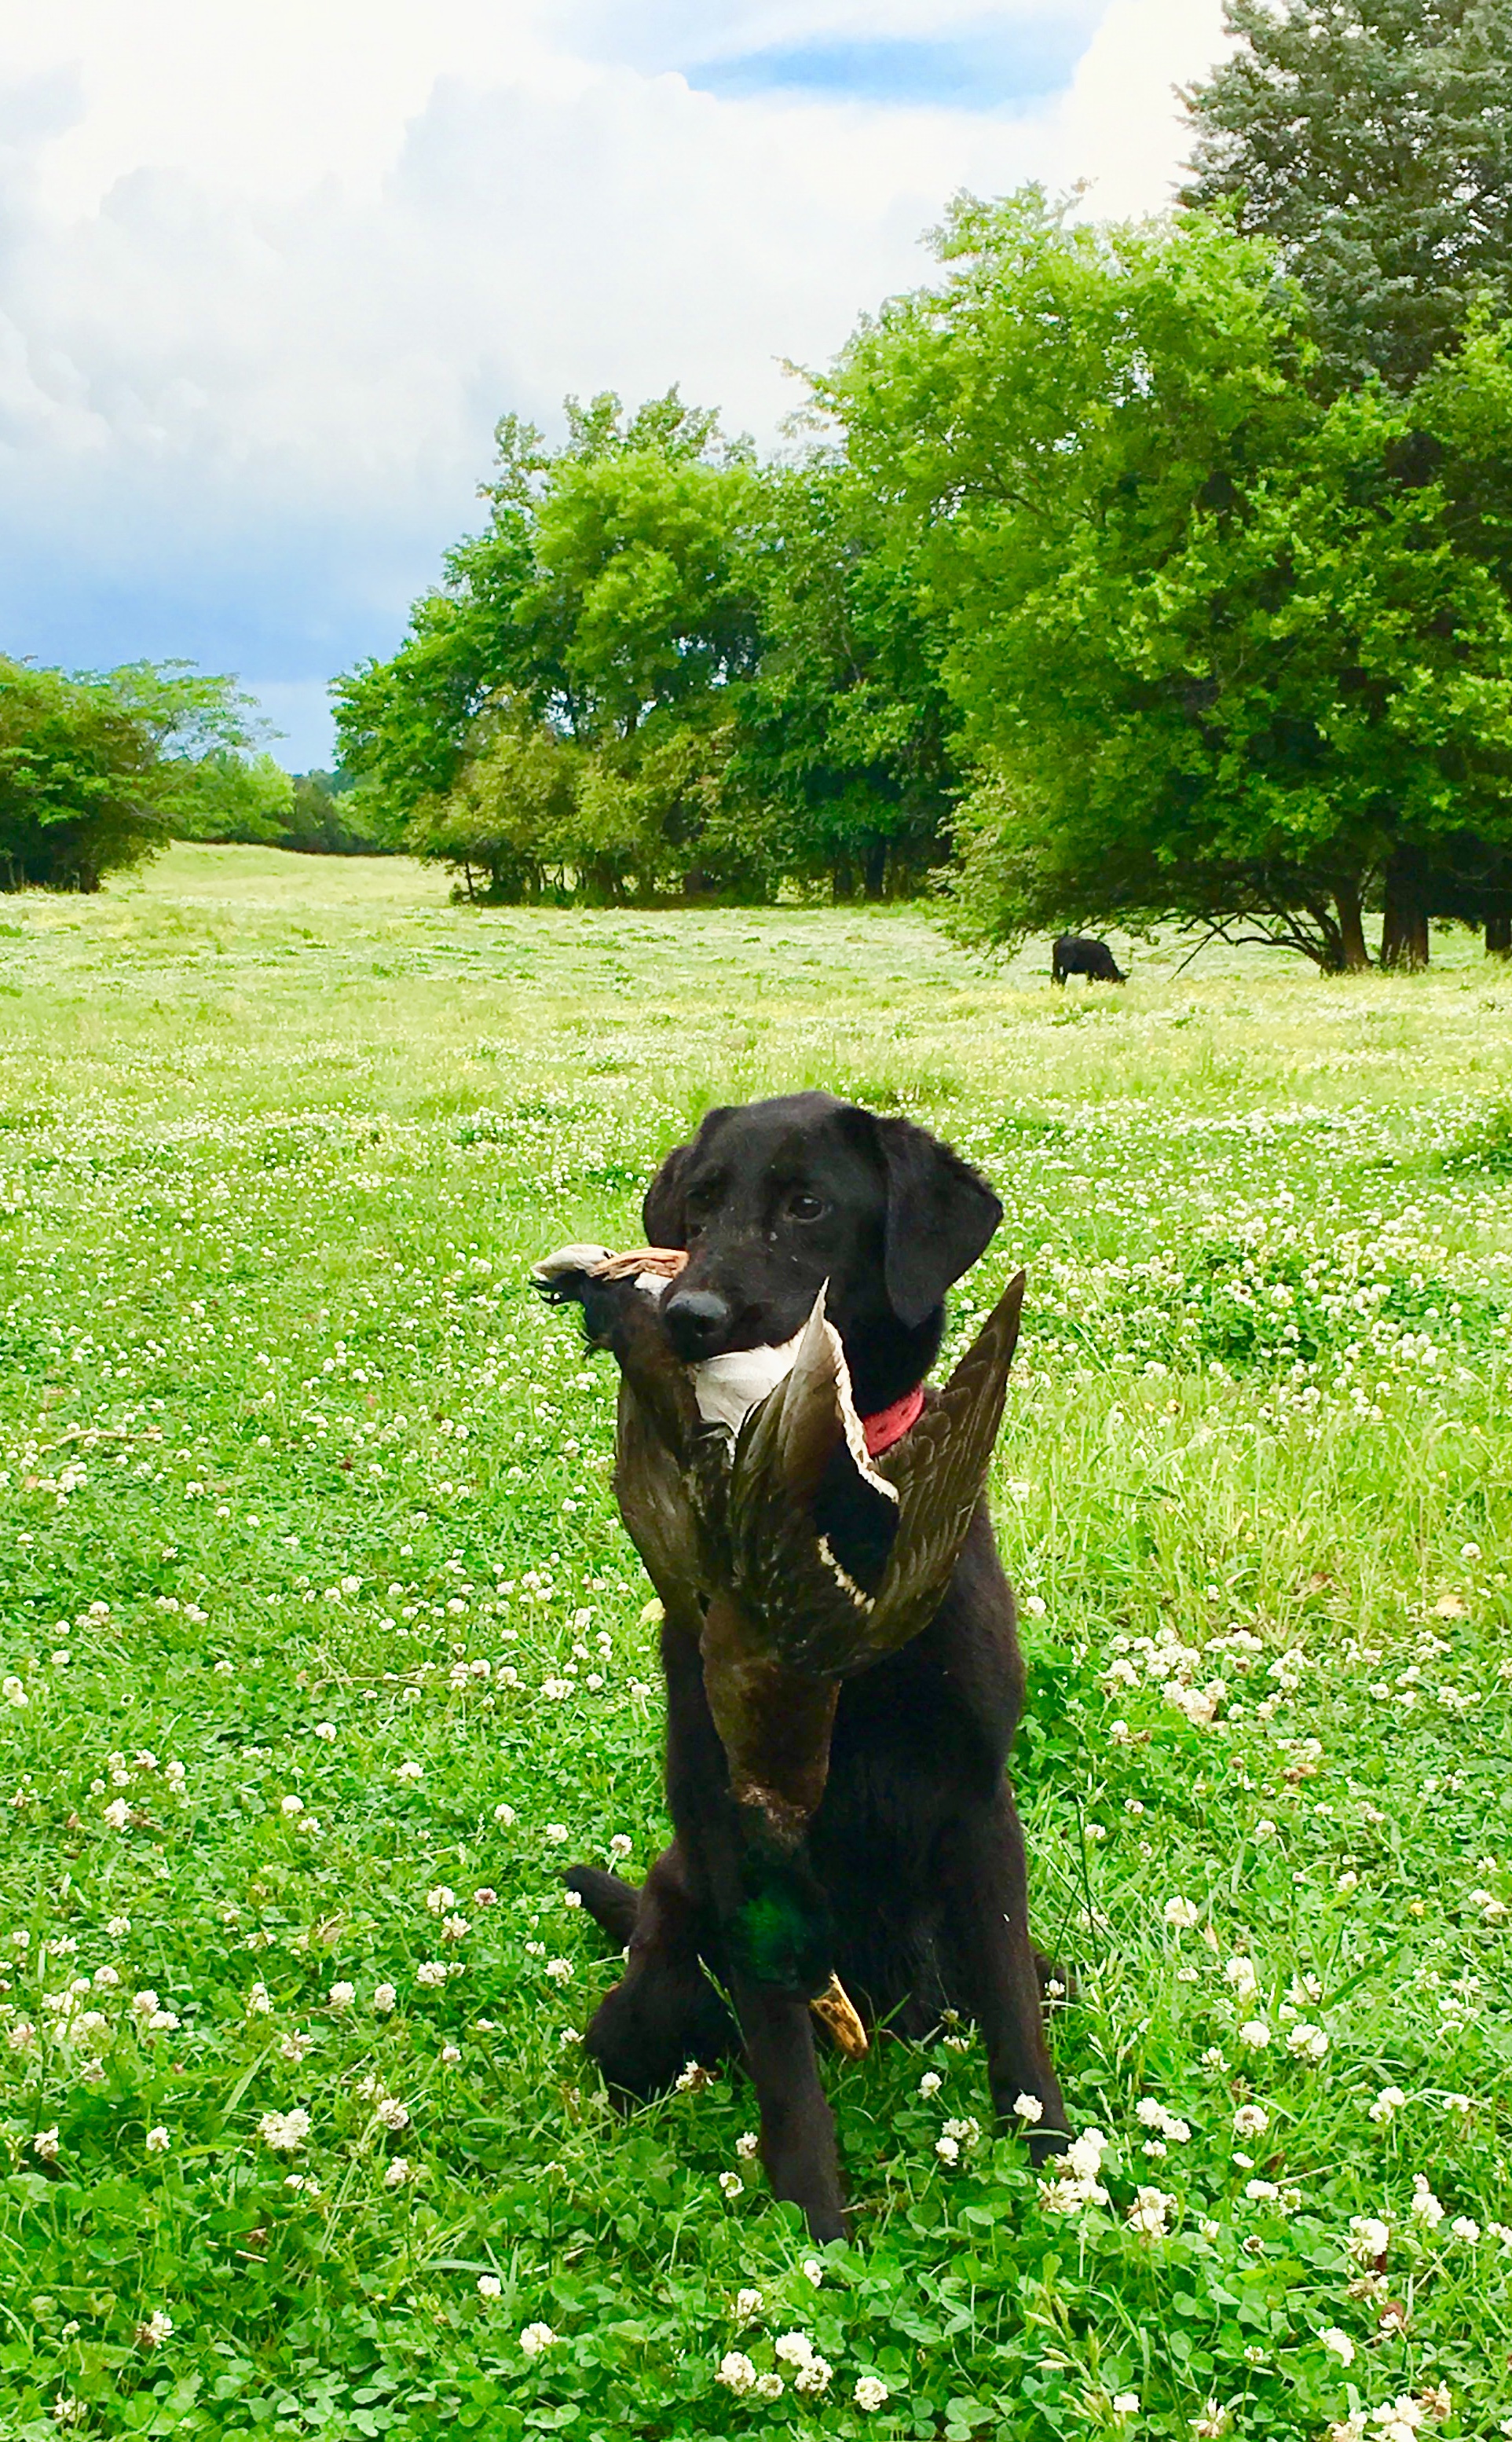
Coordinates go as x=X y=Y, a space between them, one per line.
x=890 y=1424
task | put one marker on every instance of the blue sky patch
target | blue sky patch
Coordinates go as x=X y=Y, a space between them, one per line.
x=982 y=69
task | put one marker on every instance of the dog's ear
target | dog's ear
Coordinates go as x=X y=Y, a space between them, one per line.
x=665 y=1210
x=941 y=1215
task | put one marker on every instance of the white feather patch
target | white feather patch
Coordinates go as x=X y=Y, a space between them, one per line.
x=842 y=1578
x=727 y=1388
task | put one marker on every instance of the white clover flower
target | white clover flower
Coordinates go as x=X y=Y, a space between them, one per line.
x=117 y=1927
x=157 y=2140
x=1254 y=2034
x=812 y=2271
x=747 y=2305
x=490 y=2285
x=536 y=2337
x=1369 y=2238
x=1387 y=2103
x=746 y=2144
x=736 y=2373
x=431 y=1972
x=117 y=1815
x=455 y=1929
x=554 y=1832
x=45 y=2144
x=1147 y=2215
x=440 y=1899
x=410 y=1770
x=1425 y=2206
x=341 y=1995
x=871 y=2393
x=13 y=1691
x=1028 y=2108
x=397 y=2172
x=1126 y=2403
x=157 y=2329
x=731 y=2185
x=793 y=2349
x=813 y=2378
x=390 y=2113
x=284 y=2131
x=325 y=1730
x=769 y=2385
x=1084 y=2155
x=1180 y=1914
x=1306 y=2042
x=505 y=1814
x=1463 y=2227
x=1250 y=2120
x=947 y=2148
x=384 y=1998
x=929 y=2085
x=450 y=2055
x=1339 y=2344
x=291 y=1805
x=621 y=1847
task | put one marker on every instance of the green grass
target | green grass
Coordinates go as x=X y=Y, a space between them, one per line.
x=306 y=1500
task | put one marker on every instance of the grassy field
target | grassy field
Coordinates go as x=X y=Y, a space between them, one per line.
x=324 y=1651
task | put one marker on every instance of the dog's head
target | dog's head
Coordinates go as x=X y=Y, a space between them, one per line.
x=773 y=1199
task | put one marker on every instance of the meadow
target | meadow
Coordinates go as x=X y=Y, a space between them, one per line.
x=324 y=1651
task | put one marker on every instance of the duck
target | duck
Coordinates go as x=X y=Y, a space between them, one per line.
x=719 y=1468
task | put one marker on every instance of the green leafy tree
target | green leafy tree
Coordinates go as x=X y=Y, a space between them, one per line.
x=223 y=795
x=609 y=598
x=844 y=742
x=1222 y=649
x=78 y=777
x=509 y=827
x=329 y=816
x=1371 y=139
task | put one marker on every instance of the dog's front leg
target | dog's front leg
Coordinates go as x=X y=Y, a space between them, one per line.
x=797 y=2127
x=987 y=1908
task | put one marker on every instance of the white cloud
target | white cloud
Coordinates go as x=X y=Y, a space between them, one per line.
x=270 y=275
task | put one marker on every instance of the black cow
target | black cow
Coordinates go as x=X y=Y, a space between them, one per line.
x=1073 y=955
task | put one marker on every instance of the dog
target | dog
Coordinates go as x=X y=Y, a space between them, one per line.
x=1074 y=954
x=916 y=1845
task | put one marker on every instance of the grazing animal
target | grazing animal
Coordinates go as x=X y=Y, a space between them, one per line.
x=912 y=1865
x=1074 y=954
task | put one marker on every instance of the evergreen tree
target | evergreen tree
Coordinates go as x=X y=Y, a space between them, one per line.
x=1372 y=141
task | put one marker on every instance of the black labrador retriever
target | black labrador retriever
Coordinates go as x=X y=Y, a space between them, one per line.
x=1075 y=954
x=915 y=1845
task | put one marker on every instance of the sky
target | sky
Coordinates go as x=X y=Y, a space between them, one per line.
x=270 y=275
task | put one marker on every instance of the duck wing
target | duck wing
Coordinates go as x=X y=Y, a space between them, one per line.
x=939 y=1470
x=799 y=1603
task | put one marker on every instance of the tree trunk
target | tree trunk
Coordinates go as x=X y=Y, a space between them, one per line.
x=1499 y=937
x=1404 y=926
x=1354 y=957
x=874 y=867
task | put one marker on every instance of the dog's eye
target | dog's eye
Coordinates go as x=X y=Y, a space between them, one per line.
x=804 y=1207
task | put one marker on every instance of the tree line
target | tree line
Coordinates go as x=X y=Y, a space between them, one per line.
x=1121 y=573
x=99 y=770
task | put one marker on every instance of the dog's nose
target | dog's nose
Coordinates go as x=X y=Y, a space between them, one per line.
x=698 y=1321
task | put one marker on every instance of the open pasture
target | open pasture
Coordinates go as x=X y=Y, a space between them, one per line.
x=323 y=1652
